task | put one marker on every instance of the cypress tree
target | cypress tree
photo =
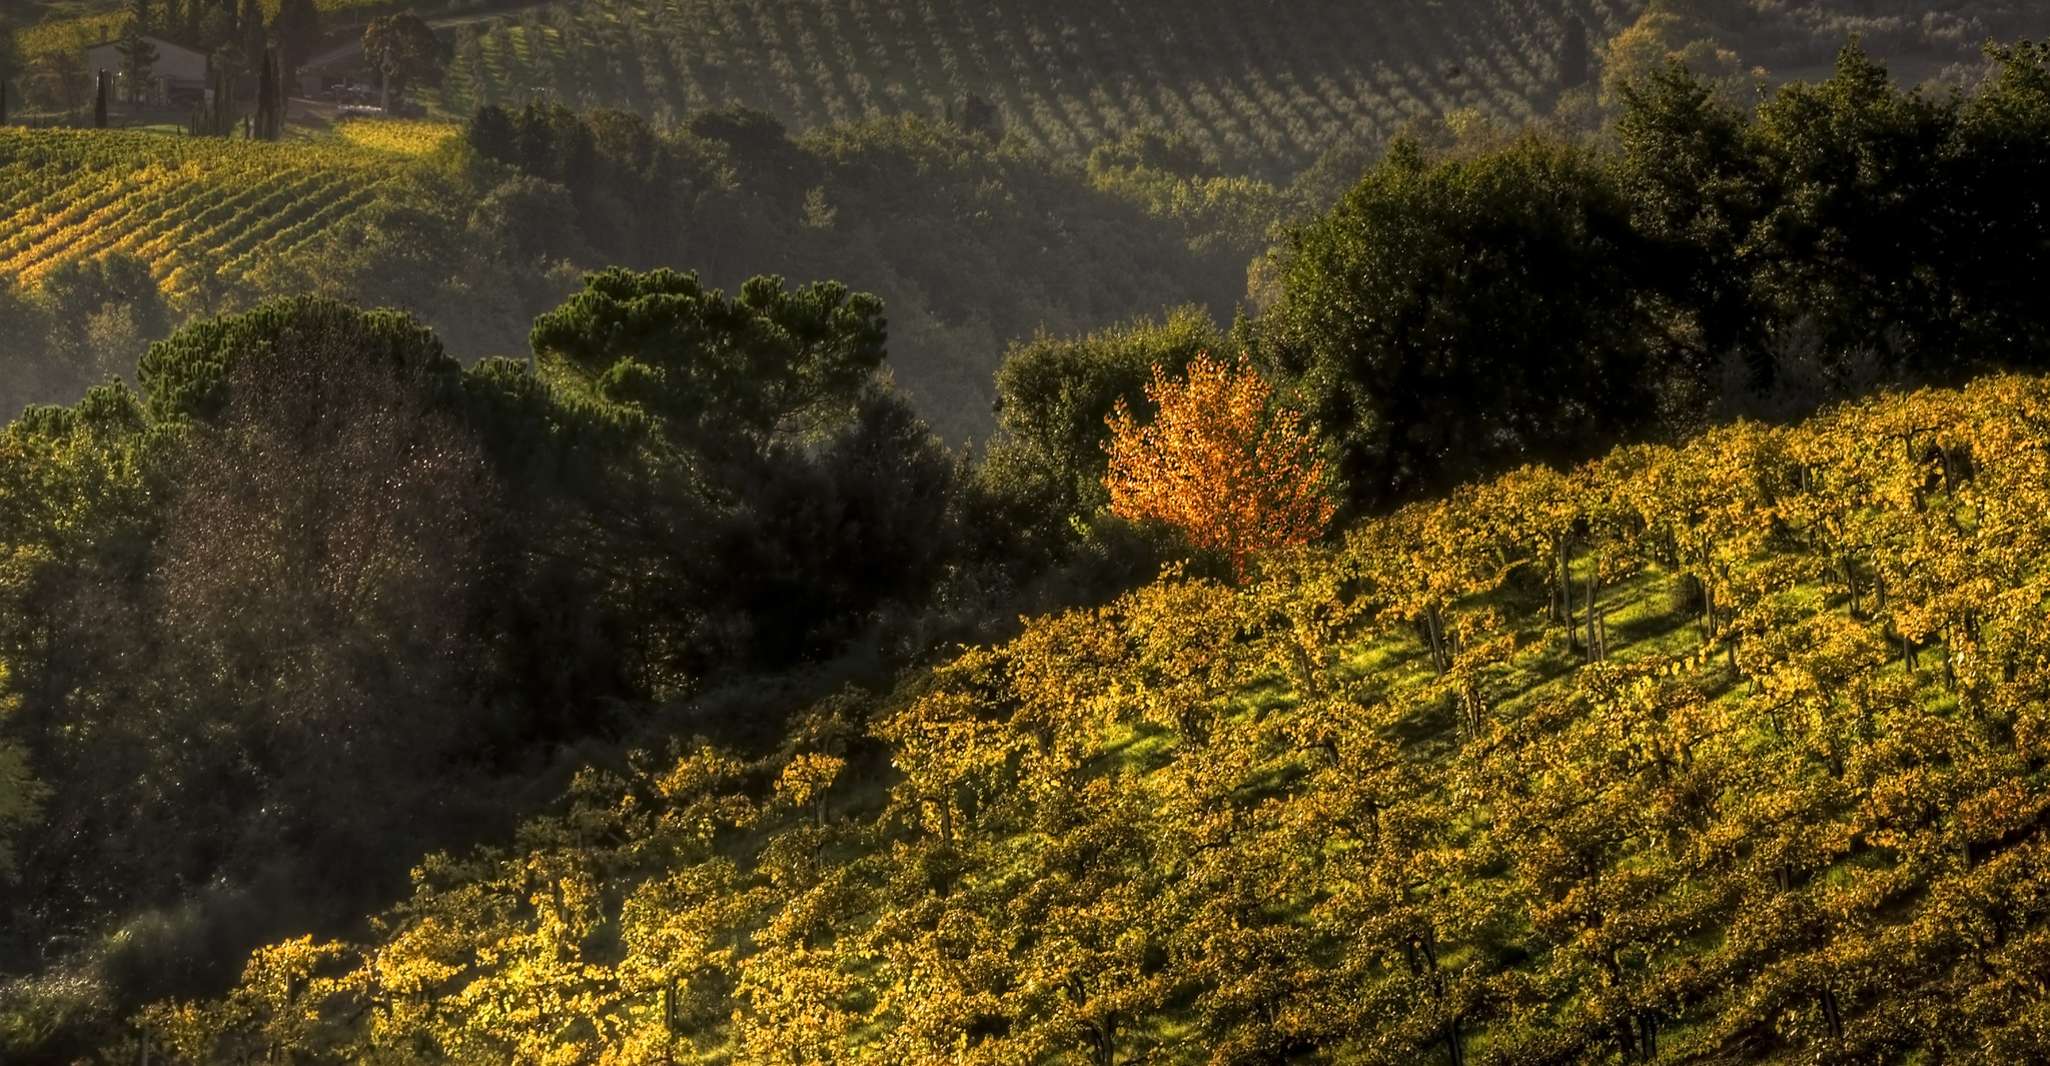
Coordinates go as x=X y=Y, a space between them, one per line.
x=1573 y=55
x=253 y=37
x=261 y=129
x=100 y=102
x=216 y=118
x=270 y=97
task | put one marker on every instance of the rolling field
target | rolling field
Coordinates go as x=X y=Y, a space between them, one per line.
x=183 y=205
x=1265 y=85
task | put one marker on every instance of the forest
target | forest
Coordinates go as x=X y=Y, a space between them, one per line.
x=906 y=531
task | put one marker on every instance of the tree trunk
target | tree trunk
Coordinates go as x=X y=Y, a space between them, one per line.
x=1566 y=592
x=1440 y=658
x=1950 y=658
x=1593 y=576
x=1832 y=1013
x=669 y=1024
x=1556 y=575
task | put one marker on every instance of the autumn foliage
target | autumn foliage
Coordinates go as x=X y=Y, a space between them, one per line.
x=1233 y=472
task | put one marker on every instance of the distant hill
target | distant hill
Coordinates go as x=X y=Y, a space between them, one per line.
x=1264 y=84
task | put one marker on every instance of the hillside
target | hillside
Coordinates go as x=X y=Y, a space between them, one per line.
x=972 y=246
x=203 y=213
x=557 y=656
x=1727 y=752
x=1264 y=86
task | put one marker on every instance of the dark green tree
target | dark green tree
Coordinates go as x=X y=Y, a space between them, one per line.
x=980 y=117
x=1054 y=397
x=1850 y=247
x=251 y=38
x=1697 y=190
x=11 y=68
x=269 y=119
x=215 y=116
x=79 y=294
x=22 y=340
x=1992 y=235
x=1473 y=313
x=404 y=52
x=1574 y=54
x=297 y=30
x=21 y=797
x=720 y=374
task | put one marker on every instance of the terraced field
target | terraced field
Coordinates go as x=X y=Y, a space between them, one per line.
x=183 y=205
x=1266 y=84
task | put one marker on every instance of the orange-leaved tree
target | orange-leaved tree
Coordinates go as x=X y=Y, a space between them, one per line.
x=1234 y=473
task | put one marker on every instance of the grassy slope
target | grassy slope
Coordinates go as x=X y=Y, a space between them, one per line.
x=1808 y=825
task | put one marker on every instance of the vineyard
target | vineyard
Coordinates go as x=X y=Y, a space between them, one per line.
x=398 y=137
x=186 y=206
x=1729 y=752
x=1266 y=86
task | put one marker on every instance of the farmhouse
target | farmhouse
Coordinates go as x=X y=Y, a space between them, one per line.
x=179 y=73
